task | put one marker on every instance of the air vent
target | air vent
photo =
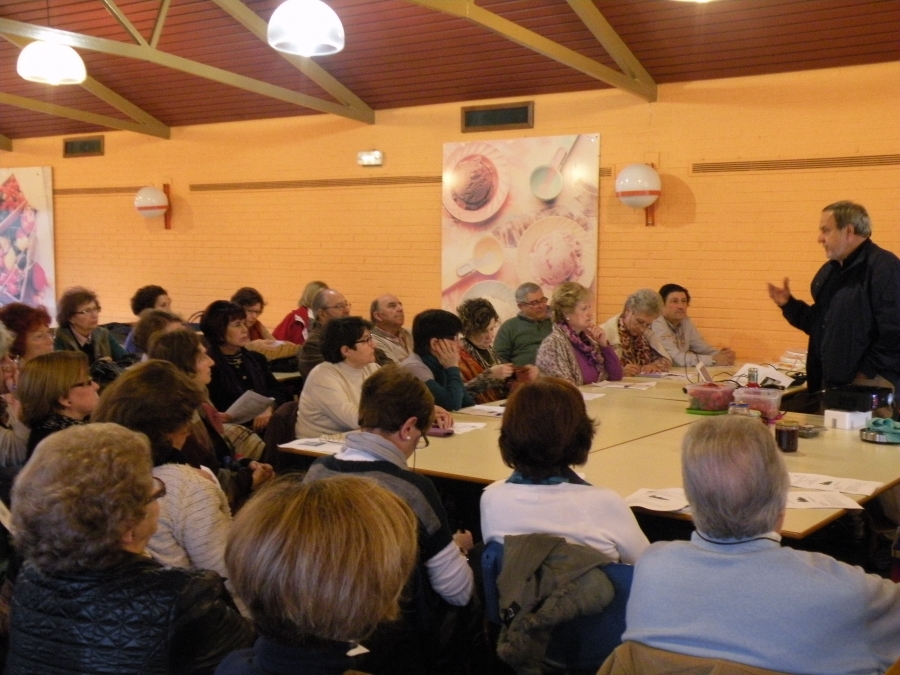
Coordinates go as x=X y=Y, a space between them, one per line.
x=86 y=146
x=787 y=164
x=495 y=117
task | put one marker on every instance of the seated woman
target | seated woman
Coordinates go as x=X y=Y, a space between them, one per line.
x=545 y=431
x=295 y=326
x=78 y=316
x=87 y=599
x=13 y=433
x=207 y=444
x=31 y=327
x=576 y=350
x=146 y=297
x=329 y=402
x=321 y=564
x=486 y=379
x=56 y=392
x=435 y=358
x=253 y=304
x=153 y=321
x=630 y=334
x=158 y=400
x=237 y=369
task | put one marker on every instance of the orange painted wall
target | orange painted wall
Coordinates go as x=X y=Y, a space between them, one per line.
x=722 y=236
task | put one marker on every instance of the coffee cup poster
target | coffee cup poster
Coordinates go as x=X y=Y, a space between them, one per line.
x=515 y=211
x=27 y=264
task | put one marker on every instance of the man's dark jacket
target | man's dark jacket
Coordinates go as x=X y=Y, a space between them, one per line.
x=854 y=322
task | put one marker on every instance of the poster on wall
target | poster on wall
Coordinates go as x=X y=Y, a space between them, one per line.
x=27 y=264
x=518 y=210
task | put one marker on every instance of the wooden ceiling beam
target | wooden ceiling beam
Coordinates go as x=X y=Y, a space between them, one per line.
x=642 y=86
x=119 y=15
x=146 y=53
x=5 y=143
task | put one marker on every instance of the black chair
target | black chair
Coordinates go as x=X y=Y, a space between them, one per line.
x=280 y=430
x=578 y=645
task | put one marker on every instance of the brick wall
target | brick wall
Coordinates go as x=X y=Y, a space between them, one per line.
x=723 y=236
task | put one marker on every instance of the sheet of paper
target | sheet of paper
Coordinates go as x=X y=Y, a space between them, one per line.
x=315 y=444
x=483 y=410
x=465 y=427
x=817 y=481
x=643 y=386
x=666 y=499
x=249 y=405
x=820 y=500
x=590 y=397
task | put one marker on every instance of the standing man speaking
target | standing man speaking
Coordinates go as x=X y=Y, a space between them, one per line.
x=854 y=321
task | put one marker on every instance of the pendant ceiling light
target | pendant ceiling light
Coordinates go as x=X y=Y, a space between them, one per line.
x=306 y=28
x=50 y=63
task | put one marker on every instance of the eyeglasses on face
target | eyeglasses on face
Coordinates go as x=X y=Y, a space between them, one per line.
x=368 y=339
x=89 y=310
x=40 y=335
x=87 y=383
x=159 y=490
x=341 y=306
x=535 y=303
x=423 y=441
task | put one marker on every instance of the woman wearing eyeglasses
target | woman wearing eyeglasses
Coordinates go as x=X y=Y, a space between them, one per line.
x=78 y=316
x=31 y=326
x=56 y=392
x=87 y=599
x=629 y=333
x=329 y=402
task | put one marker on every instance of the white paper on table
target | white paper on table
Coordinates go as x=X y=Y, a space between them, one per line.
x=465 y=427
x=483 y=410
x=666 y=499
x=591 y=397
x=817 y=481
x=249 y=405
x=820 y=500
x=314 y=444
x=643 y=386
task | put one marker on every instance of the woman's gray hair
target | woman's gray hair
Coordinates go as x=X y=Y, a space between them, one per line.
x=734 y=477
x=645 y=301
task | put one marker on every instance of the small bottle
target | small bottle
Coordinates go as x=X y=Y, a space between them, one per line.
x=753 y=378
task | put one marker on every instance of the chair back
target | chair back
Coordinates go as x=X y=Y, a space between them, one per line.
x=582 y=643
x=280 y=430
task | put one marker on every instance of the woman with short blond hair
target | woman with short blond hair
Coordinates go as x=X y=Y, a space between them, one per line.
x=321 y=564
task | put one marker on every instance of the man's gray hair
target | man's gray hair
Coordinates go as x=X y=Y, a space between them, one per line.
x=374 y=308
x=645 y=301
x=734 y=477
x=320 y=302
x=851 y=213
x=525 y=290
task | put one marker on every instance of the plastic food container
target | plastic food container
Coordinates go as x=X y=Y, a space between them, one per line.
x=710 y=396
x=767 y=401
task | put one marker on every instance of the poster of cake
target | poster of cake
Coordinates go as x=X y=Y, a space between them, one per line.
x=518 y=210
x=27 y=264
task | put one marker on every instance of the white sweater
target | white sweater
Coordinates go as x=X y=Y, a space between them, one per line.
x=582 y=514
x=329 y=402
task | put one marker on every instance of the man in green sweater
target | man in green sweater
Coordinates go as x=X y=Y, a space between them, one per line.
x=518 y=339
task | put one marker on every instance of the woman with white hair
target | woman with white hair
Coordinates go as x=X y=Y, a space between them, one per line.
x=733 y=592
x=630 y=334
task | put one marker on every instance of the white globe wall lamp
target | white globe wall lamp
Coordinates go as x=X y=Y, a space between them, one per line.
x=151 y=202
x=639 y=186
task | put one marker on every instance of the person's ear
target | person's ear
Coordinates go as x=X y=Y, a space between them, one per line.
x=407 y=428
x=345 y=351
x=432 y=342
x=64 y=402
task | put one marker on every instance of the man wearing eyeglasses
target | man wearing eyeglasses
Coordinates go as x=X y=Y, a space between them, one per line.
x=327 y=304
x=518 y=339
x=631 y=335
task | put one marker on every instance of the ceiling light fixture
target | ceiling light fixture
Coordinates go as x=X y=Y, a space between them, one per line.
x=50 y=63
x=306 y=28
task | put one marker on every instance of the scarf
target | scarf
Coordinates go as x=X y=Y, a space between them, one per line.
x=377 y=446
x=587 y=347
x=567 y=475
x=635 y=349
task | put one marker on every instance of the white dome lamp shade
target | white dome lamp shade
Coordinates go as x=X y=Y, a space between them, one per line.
x=306 y=28
x=50 y=63
x=639 y=186
x=152 y=202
